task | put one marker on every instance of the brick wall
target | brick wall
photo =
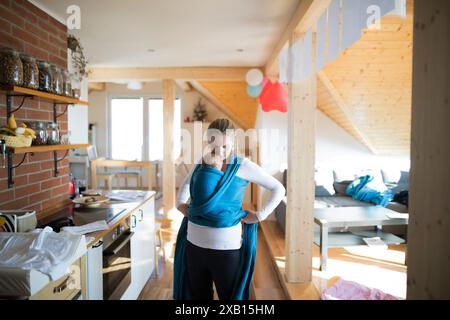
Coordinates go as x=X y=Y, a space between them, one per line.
x=30 y=30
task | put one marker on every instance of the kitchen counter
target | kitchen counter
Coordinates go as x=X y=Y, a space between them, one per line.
x=128 y=208
x=30 y=282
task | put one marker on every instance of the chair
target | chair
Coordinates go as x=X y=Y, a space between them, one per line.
x=107 y=177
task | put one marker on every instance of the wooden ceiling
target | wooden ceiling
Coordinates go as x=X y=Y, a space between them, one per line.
x=232 y=99
x=367 y=89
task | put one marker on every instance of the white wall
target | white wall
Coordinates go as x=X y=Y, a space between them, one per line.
x=77 y=115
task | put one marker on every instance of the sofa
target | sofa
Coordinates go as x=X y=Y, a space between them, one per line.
x=331 y=185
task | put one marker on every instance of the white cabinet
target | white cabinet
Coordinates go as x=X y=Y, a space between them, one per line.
x=142 y=248
x=94 y=275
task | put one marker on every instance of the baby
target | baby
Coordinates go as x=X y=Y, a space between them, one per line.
x=213 y=160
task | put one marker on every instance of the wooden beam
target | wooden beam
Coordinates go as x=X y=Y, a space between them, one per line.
x=304 y=17
x=429 y=207
x=96 y=86
x=169 y=161
x=184 y=85
x=212 y=99
x=179 y=73
x=325 y=81
x=300 y=180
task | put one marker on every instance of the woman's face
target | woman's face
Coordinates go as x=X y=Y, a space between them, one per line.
x=220 y=145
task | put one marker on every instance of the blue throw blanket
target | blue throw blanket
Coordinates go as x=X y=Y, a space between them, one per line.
x=216 y=201
x=366 y=189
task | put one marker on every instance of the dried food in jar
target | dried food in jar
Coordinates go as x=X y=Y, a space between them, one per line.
x=11 y=69
x=30 y=72
x=45 y=76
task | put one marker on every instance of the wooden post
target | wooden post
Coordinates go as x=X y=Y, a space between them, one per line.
x=169 y=163
x=300 y=179
x=429 y=206
x=93 y=165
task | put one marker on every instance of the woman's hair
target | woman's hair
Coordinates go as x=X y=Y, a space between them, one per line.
x=222 y=125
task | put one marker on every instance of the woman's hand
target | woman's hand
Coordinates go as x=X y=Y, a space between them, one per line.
x=250 y=218
x=184 y=209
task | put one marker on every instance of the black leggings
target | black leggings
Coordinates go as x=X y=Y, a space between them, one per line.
x=205 y=266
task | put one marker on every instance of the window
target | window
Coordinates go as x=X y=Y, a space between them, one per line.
x=131 y=137
x=155 y=129
x=127 y=129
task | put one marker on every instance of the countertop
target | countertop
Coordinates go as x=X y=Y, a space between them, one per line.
x=129 y=208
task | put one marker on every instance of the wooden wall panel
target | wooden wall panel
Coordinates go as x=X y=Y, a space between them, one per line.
x=374 y=79
x=233 y=95
x=429 y=225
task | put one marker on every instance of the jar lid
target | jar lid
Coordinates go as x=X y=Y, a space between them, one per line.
x=27 y=57
x=43 y=63
x=8 y=50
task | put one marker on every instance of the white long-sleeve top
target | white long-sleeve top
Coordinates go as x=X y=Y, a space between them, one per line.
x=231 y=238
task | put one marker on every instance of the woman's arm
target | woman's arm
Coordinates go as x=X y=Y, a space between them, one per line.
x=251 y=172
x=184 y=194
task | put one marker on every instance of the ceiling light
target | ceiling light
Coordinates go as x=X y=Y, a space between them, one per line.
x=134 y=85
x=151 y=50
x=240 y=50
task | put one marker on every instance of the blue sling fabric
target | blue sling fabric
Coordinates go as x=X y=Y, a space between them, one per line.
x=216 y=201
x=366 y=189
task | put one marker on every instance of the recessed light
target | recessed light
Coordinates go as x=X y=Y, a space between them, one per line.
x=240 y=50
x=151 y=50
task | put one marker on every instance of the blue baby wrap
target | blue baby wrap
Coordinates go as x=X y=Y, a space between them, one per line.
x=367 y=189
x=216 y=201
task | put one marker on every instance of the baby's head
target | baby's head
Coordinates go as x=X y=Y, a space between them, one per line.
x=213 y=160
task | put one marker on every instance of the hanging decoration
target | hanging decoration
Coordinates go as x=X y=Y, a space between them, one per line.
x=200 y=112
x=254 y=77
x=273 y=97
x=254 y=91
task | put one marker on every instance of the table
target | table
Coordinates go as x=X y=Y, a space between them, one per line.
x=344 y=217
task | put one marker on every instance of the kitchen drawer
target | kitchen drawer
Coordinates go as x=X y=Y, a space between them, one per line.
x=66 y=288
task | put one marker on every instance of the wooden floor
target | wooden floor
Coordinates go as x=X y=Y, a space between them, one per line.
x=266 y=285
x=375 y=268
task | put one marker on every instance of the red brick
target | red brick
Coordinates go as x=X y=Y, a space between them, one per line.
x=27 y=190
x=12 y=17
x=16 y=204
x=38 y=12
x=6 y=196
x=23 y=12
x=34 y=207
x=5 y=3
x=41 y=156
x=27 y=168
x=47 y=26
x=40 y=176
x=41 y=196
x=57 y=60
x=39 y=115
x=36 y=52
x=39 y=32
x=25 y=36
x=50 y=183
x=8 y=41
x=5 y=26
x=60 y=190
x=52 y=202
x=20 y=180
x=61 y=27
x=46 y=165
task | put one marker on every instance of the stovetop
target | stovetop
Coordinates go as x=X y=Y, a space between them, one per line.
x=75 y=215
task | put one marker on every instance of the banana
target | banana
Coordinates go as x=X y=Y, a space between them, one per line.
x=30 y=131
x=12 y=122
x=23 y=125
x=8 y=131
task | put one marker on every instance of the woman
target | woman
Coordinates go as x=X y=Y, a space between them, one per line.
x=212 y=247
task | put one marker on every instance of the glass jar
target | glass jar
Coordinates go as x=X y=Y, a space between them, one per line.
x=40 y=128
x=75 y=86
x=30 y=71
x=67 y=84
x=11 y=69
x=45 y=76
x=53 y=136
x=57 y=80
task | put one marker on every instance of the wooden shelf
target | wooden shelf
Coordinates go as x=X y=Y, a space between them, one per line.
x=44 y=95
x=47 y=148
